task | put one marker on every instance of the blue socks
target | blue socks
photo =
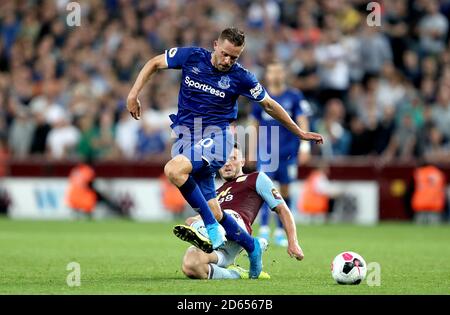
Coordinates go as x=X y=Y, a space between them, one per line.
x=193 y=195
x=236 y=233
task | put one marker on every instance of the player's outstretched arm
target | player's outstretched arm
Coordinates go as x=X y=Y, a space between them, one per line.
x=154 y=64
x=286 y=217
x=275 y=110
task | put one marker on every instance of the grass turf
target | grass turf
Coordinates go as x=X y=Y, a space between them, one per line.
x=123 y=257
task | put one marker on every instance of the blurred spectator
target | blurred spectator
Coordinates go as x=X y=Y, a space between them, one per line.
x=126 y=135
x=396 y=28
x=441 y=111
x=390 y=89
x=433 y=28
x=435 y=149
x=428 y=194
x=263 y=14
x=307 y=79
x=53 y=70
x=20 y=134
x=62 y=139
x=333 y=67
x=103 y=140
x=82 y=196
x=40 y=133
x=85 y=148
x=375 y=50
x=337 y=138
x=412 y=105
x=362 y=138
x=317 y=195
x=385 y=129
x=411 y=67
x=402 y=143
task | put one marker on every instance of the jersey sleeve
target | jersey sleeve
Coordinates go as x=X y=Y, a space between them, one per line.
x=177 y=56
x=251 y=88
x=302 y=106
x=267 y=191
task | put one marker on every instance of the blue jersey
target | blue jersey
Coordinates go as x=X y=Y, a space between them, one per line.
x=206 y=92
x=294 y=103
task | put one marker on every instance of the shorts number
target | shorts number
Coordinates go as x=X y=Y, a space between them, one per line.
x=206 y=143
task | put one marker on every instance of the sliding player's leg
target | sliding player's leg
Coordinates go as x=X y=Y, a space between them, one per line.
x=234 y=231
x=220 y=264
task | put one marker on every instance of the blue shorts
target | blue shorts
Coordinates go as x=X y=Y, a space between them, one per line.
x=284 y=174
x=207 y=153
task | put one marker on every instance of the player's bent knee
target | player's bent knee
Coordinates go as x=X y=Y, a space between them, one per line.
x=192 y=262
x=177 y=169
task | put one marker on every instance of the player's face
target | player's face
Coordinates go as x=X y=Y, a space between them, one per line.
x=225 y=54
x=233 y=167
x=275 y=74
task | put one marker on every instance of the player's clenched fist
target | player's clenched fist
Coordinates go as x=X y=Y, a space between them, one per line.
x=294 y=250
x=134 y=107
x=312 y=136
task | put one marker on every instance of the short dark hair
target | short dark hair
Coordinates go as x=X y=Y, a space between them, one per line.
x=233 y=35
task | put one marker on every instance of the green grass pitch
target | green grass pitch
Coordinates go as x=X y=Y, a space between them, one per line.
x=124 y=257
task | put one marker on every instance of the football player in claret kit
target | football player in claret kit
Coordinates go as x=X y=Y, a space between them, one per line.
x=241 y=196
x=210 y=85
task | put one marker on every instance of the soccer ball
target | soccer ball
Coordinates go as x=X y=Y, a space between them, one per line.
x=348 y=268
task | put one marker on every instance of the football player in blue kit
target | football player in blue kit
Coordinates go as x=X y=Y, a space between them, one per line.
x=288 y=149
x=211 y=82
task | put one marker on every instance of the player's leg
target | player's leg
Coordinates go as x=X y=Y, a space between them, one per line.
x=253 y=245
x=199 y=265
x=178 y=171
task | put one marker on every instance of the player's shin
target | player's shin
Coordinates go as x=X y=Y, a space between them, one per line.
x=236 y=233
x=193 y=195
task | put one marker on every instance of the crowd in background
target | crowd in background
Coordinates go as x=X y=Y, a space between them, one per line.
x=379 y=91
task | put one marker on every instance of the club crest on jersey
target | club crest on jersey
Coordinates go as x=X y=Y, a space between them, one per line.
x=276 y=194
x=224 y=82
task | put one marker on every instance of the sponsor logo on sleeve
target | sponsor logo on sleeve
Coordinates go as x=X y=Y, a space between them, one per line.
x=276 y=194
x=256 y=91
